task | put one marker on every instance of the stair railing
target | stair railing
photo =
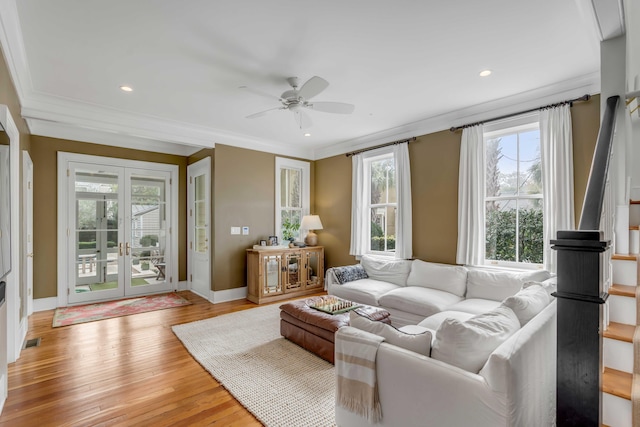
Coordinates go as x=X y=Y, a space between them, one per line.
x=580 y=295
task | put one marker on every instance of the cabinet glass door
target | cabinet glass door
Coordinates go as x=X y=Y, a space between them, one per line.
x=292 y=271
x=271 y=265
x=314 y=263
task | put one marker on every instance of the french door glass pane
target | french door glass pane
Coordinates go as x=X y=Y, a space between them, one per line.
x=200 y=212
x=148 y=230
x=96 y=233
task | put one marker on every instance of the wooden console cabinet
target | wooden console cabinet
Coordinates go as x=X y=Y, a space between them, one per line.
x=276 y=274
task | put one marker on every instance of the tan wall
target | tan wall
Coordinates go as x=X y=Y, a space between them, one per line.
x=44 y=154
x=244 y=194
x=434 y=187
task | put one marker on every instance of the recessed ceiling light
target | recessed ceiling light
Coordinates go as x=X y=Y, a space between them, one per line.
x=485 y=73
x=126 y=88
x=307 y=134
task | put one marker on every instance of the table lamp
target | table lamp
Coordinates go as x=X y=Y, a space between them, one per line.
x=311 y=222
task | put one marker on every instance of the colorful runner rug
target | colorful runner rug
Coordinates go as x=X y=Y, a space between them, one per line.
x=65 y=316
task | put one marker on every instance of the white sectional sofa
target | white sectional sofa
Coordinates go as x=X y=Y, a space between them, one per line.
x=490 y=352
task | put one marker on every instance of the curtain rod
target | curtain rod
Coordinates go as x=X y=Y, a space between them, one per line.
x=353 y=153
x=506 y=116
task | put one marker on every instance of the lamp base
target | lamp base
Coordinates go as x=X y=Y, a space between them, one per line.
x=311 y=239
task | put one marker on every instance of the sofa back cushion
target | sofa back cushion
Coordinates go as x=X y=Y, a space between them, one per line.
x=497 y=285
x=389 y=270
x=419 y=342
x=468 y=344
x=528 y=302
x=448 y=278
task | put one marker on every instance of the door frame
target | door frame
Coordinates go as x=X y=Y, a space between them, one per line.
x=27 y=210
x=64 y=275
x=192 y=169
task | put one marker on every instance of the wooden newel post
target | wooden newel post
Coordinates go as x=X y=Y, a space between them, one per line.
x=580 y=320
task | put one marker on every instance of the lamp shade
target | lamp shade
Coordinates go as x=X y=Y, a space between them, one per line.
x=311 y=222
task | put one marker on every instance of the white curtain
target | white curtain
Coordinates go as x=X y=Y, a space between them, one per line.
x=556 y=146
x=404 y=228
x=360 y=215
x=471 y=190
x=358 y=207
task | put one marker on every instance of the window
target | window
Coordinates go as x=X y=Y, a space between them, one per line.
x=382 y=205
x=292 y=197
x=513 y=199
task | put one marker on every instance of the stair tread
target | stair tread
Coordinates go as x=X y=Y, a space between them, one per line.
x=617 y=383
x=620 y=331
x=622 y=290
x=634 y=202
x=624 y=257
x=634 y=227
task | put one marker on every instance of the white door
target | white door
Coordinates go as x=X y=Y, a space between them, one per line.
x=118 y=236
x=27 y=183
x=199 y=215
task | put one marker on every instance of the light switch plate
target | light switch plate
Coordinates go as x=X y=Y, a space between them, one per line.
x=235 y=230
x=245 y=230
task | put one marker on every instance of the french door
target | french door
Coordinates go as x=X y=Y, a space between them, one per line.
x=118 y=223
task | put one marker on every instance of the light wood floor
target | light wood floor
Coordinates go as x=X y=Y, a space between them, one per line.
x=125 y=371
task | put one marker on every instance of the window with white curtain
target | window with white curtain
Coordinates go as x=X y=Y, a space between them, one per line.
x=292 y=197
x=513 y=197
x=381 y=203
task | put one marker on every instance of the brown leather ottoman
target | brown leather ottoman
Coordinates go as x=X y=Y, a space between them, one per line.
x=314 y=330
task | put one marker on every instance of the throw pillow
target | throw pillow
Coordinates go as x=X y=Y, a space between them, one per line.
x=497 y=285
x=389 y=270
x=469 y=344
x=528 y=302
x=550 y=285
x=419 y=342
x=349 y=273
x=447 y=278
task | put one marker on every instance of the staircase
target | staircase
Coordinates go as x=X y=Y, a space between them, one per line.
x=618 y=348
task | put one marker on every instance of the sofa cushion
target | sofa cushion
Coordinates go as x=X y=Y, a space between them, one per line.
x=550 y=285
x=418 y=300
x=349 y=273
x=364 y=291
x=498 y=285
x=528 y=302
x=474 y=305
x=419 y=342
x=469 y=344
x=390 y=270
x=448 y=278
x=434 y=321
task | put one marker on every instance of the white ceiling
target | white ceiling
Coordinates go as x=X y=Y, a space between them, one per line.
x=410 y=67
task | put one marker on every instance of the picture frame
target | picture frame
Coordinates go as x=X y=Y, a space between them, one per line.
x=263 y=243
x=273 y=241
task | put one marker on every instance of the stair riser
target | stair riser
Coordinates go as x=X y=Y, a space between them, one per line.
x=622 y=309
x=625 y=272
x=618 y=355
x=616 y=411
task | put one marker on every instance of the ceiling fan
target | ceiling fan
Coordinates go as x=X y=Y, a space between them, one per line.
x=297 y=101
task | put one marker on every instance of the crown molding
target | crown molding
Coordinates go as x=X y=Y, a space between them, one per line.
x=587 y=84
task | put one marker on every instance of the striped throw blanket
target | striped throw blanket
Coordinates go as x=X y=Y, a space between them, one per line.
x=355 y=360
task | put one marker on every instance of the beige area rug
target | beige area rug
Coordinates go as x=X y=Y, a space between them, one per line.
x=277 y=381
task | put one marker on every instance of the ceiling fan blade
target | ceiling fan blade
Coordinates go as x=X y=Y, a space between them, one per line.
x=302 y=119
x=333 y=107
x=312 y=87
x=261 y=113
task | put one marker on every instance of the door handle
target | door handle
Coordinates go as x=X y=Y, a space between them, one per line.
x=120 y=248
x=128 y=248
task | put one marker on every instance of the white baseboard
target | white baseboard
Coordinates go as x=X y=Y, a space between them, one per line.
x=228 y=295
x=43 y=304
x=183 y=285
